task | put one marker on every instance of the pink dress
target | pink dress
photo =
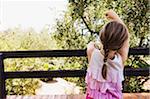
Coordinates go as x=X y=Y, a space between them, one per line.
x=99 y=88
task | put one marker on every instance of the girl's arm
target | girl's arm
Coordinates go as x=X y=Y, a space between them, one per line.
x=90 y=49
x=111 y=15
x=123 y=51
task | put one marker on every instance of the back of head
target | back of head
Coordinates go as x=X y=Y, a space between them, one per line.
x=112 y=36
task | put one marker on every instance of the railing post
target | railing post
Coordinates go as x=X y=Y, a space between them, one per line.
x=2 y=78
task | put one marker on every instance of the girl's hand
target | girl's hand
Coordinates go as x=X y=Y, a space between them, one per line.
x=111 y=15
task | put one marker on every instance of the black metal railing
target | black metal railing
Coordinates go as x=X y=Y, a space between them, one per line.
x=57 y=73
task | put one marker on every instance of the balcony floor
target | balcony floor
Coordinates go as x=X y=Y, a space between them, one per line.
x=125 y=96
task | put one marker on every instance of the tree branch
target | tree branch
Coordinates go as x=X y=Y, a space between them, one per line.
x=91 y=31
x=141 y=41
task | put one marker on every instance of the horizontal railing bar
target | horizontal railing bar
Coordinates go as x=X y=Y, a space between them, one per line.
x=69 y=73
x=44 y=53
x=137 y=72
x=139 y=51
x=45 y=74
x=62 y=53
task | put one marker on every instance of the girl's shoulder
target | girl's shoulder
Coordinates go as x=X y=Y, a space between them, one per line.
x=94 y=48
x=94 y=45
x=116 y=62
x=98 y=45
x=117 y=57
x=97 y=56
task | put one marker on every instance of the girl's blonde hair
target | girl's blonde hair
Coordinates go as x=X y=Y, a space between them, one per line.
x=112 y=36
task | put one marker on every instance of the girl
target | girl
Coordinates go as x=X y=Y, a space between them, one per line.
x=105 y=72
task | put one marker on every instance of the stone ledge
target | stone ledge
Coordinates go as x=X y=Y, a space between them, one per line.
x=136 y=95
x=125 y=96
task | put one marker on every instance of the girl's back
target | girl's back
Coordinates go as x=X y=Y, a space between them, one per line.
x=97 y=86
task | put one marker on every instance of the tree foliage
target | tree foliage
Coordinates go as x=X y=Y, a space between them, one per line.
x=18 y=39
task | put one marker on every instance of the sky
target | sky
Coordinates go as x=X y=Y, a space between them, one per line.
x=30 y=13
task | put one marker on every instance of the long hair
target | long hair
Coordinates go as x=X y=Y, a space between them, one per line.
x=112 y=37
